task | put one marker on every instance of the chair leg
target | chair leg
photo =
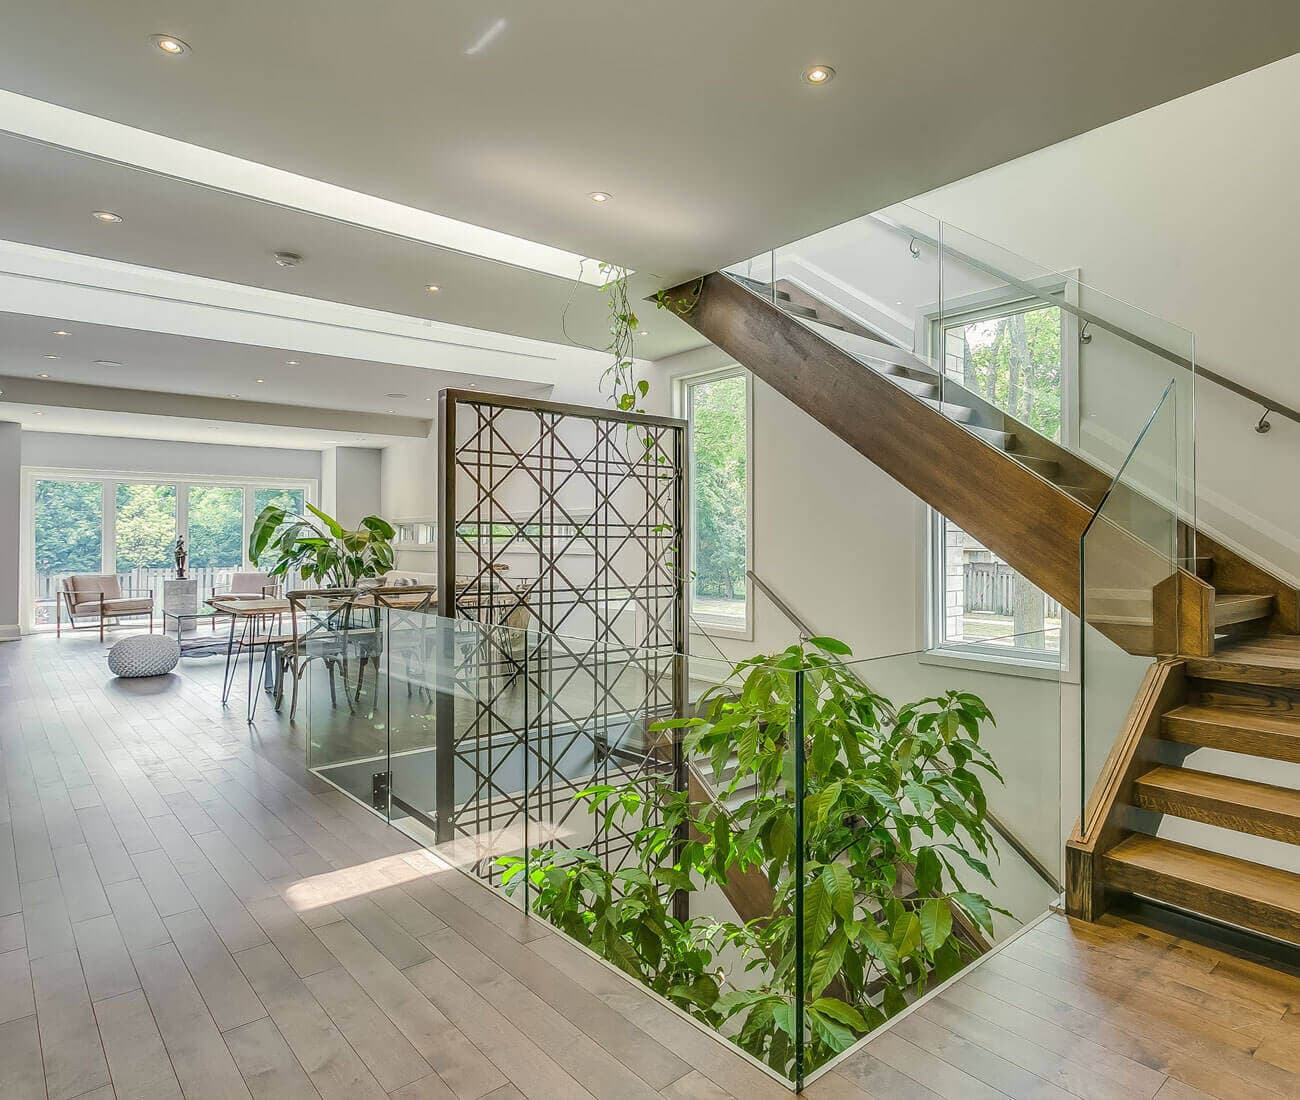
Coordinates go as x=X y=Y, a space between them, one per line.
x=101 y=628
x=58 y=616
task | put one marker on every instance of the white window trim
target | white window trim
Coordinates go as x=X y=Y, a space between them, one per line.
x=110 y=479
x=703 y=624
x=929 y=324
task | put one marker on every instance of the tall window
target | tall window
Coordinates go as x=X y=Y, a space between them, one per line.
x=717 y=408
x=69 y=536
x=1009 y=354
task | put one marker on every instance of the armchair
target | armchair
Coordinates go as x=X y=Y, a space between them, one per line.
x=247 y=586
x=101 y=599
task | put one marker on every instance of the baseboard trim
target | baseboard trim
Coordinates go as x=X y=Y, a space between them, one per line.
x=1231 y=939
x=10 y=633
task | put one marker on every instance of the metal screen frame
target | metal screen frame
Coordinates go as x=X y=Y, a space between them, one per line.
x=599 y=658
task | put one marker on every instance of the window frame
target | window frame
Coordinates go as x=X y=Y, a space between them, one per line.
x=933 y=323
x=109 y=481
x=703 y=623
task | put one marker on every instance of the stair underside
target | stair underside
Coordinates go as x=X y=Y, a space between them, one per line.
x=1239 y=804
x=1234 y=890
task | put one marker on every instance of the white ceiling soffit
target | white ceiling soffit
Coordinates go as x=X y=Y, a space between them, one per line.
x=126 y=145
x=692 y=115
x=48 y=351
x=177 y=228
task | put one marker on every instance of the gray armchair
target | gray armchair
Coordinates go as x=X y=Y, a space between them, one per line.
x=101 y=599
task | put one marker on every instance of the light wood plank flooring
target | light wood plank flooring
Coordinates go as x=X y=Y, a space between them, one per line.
x=186 y=912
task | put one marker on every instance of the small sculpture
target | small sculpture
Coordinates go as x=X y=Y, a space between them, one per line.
x=181 y=556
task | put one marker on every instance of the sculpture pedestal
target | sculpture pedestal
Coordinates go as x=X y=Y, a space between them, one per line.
x=181 y=598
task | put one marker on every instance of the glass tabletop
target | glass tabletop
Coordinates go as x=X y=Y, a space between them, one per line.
x=203 y=612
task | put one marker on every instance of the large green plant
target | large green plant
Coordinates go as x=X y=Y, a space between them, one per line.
x=893 y=818
x=320 y=549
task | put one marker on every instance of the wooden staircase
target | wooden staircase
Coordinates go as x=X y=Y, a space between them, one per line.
x=1226 y=633
x=1243 y=700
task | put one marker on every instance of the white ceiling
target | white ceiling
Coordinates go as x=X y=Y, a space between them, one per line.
x=691 y=114
x=166 y=363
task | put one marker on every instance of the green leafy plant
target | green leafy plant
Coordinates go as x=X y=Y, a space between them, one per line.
x=320 y=549
x=893 y=817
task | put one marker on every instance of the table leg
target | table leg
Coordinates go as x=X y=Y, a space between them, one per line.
x=227 y=677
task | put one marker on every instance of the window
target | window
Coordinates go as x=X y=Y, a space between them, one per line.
x=718 y=410
x=86 y=522
x=69 y=537
x=1010 y=354
x=1011 y=357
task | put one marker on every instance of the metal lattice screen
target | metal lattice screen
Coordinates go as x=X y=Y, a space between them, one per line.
x=563 y=528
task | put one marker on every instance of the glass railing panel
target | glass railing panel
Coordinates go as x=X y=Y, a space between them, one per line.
x=1032 y=360
x=1129 y=566
x=1067 y=363
x=333 y=674
x=868 y=286
x=931 y=827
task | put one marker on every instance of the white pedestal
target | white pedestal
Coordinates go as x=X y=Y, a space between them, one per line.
x=181 y=597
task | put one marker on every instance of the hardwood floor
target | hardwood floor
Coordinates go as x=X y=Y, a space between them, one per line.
x=186 y=912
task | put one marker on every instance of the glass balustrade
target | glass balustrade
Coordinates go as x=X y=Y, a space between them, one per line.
x=789 y=849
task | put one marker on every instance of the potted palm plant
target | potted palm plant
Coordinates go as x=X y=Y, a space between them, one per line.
x=318 y=548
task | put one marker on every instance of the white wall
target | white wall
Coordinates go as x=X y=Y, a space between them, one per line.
x=11 y=436
x=351 y=479
x=836 y=538
x=1187 y=210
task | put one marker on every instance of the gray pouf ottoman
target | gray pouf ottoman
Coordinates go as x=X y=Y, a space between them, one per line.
x=144 y=655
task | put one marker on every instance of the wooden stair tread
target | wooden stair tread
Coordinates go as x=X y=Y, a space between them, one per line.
x=1240 y=804
x=1246 y=894
x=1252 y=730
x=1233 y=607
x=1271 y=660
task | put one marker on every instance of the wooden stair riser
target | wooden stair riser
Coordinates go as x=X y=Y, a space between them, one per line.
x=1252 y=733
x=1238 y=805
x=1245 y=894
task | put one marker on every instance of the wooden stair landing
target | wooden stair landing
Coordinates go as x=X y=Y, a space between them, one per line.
x=1224 y=887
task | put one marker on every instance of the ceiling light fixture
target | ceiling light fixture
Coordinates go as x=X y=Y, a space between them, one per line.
x=291 y=362
x=169 y=44
x=643 y=332
x=288 y=259
x=600 y=196
x=432 y=288
x=61 y=332
x=819 y=74
x=232 y=395
x=51 y=357
x=259 y=381
x=107 y=363
x=105 y=216
x=42 y=376
x=396 y=396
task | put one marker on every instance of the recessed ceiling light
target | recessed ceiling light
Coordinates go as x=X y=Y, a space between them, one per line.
x=107 y=363
x=62 y=332
x=428 y=398
x=643 y=332
x=105 y=216
x=432 y=288
x=232 y=395
x=288 y=259
x=819 y=74
x=291 y=362
x=396 y=396
x=51 y=357
x=390 y=410
x=169 y=44
x=473 y=385
x=600 y=196
x=259 y=381
x=38 y=413
x=42 y=376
